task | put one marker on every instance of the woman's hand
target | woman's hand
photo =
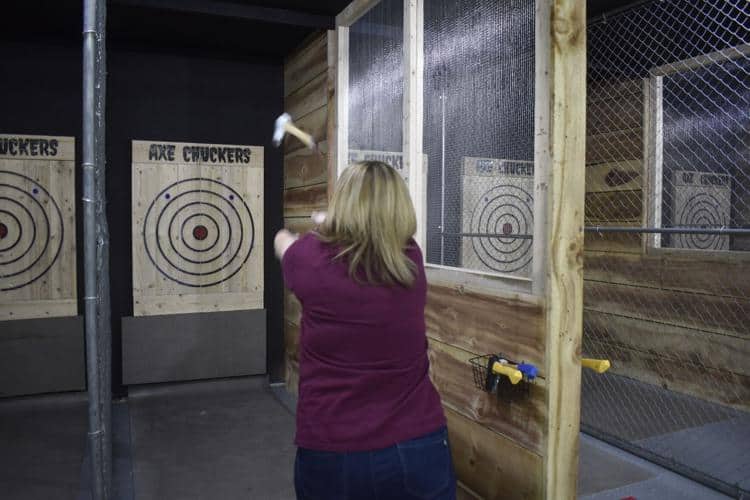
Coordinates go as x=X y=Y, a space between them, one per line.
x=283 y=241
x=318 y=217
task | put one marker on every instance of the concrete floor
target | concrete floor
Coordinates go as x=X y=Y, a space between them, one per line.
x=608 y=473
x=224 y=440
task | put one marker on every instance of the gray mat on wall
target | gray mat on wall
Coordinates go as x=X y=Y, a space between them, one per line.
x=42 y=355
x=183 y=347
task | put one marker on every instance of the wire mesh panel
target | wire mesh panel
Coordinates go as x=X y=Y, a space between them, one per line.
x=478 y=129
x=667 y=267
x=376 y=85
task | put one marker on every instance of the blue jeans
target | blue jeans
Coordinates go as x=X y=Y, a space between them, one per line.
x=419 y=469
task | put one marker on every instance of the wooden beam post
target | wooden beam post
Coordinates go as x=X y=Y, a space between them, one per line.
x=413 y=112
x=342 y=100
x=560 y=152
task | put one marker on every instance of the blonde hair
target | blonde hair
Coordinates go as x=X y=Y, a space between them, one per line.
x=371 y=218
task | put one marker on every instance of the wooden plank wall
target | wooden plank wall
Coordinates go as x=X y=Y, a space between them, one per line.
x=308 y=89
x=673 y=319
x=498 y=442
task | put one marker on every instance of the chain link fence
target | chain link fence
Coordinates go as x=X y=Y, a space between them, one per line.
x=667 y=263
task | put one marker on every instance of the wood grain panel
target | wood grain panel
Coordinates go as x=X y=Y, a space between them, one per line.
x=614 y=208
x=37 y=227
x=563 y=219
x=491 y=465
x=519 y=418
x=303 y=201
x=718 y=275
x=701 y=312
x=305 y=168
x=483 y=324
x=699 y=274
x=307 y=98
x=305 y=65
x=606 y=89
x=616 y=113
x=614 y=146
x=622 y=268
x=705 y=365
x=613 y=242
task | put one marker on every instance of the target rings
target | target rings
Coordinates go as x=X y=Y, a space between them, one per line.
x=198 y=232
x=502 y=210
x=31 y=230
x=702 y=210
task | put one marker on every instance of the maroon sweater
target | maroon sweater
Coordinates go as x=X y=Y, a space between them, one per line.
x=363 y=366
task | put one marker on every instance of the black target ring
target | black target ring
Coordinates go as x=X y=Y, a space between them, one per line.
x=496 y=208
x=172 y=240
x=702 y=210
x=216 y=231
x=44 y=218
x=161 y=219
x=31 y=222
x=5 y=214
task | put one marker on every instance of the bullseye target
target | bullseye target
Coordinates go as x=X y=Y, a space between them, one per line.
x=37 y=227
x=498 y=215
x=31 y=230
x=503 y=210
x=702 y=200
x=197 y=228
x=198 y=232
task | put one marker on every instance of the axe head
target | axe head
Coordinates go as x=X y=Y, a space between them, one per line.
x=280 y=128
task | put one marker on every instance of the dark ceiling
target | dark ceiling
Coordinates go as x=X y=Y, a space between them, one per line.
x=263 y=28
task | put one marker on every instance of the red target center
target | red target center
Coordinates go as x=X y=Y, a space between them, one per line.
x=200 y=233
x=3 y=230
x=507 y=228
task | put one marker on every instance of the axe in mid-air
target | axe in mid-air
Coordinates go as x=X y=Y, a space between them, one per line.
x=284 y=125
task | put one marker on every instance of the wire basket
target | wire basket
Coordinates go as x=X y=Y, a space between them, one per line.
x=487 y=380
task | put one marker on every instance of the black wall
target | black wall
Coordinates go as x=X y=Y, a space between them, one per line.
x=168 y=95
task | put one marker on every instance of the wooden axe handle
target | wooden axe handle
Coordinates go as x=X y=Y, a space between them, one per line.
x=306 y=138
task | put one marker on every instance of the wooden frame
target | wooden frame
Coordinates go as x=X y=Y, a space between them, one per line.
x=653 y=147
x=412 y=110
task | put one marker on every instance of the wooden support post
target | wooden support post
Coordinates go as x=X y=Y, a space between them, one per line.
x=413 y=113
x=341 y=112
x=560 y=152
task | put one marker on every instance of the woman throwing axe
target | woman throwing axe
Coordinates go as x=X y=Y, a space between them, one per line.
x=369 y=421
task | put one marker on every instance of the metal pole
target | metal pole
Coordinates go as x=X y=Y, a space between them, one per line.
x=668 y=230
x=442 y=180
x=614 y=229
x=98 y=428
x=102 y=249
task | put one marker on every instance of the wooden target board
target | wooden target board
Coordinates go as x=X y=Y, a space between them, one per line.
x=37 y=227
x=498 y=199
x=197 y=227
x=702 y=199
